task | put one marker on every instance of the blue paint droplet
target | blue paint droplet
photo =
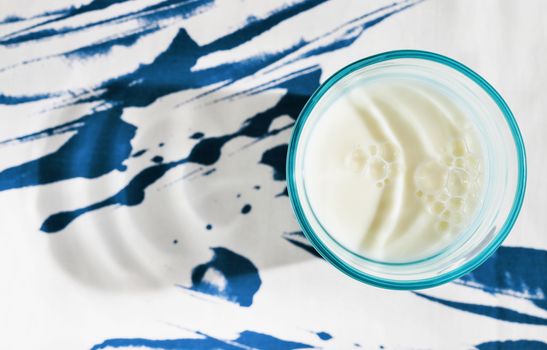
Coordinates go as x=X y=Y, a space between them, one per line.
x=227 y=275
x=197 y=135
x=257 y=187
x=157 y=159
x=161 y=144
x=238 y=195
x=246 y=209
x=209 y=227
x=139 y=153
x=175 y=241
x=324 y=335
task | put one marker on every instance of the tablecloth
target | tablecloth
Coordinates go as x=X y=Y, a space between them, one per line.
x=142 y=176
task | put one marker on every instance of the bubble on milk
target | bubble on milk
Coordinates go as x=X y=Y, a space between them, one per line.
x=377 y=169
x=378 y=161
x=430 y=177
x=448 y=186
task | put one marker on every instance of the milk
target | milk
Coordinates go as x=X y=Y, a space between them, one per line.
x=393 y=169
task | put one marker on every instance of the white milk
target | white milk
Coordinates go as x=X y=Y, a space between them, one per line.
x=393 y=170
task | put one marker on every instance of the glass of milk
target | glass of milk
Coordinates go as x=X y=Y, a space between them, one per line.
x=406 y=170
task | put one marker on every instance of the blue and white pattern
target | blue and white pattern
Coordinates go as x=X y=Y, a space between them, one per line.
x=142 y=176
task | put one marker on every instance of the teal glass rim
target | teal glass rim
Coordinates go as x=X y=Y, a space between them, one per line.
x=469 y=265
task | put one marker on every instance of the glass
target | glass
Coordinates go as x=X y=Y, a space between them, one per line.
x=504 y=171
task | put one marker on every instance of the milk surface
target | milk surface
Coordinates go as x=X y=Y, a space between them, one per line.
x=393 y=169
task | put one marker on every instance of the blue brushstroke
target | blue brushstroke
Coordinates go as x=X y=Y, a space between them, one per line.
x=246 y=340
x=497 y=312
x=57 y=130
x=512 y=345
x=105 y=47
x=324 y=335
x=15 y=100
x=509 y=272
x=256 y=27
x=241 y=278
x=353 y=31
x=11 y=19
x=298 y=239
x=153 y=13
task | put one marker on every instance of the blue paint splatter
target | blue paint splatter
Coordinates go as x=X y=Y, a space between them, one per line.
x=100 y=146
x=209 y=172
x=82 y=156
x=324 y=335
x=206 y=152
x=246 y=209
x=197 y=135
x=512 y=345
x=209 y=227
x=240 y=278
x=276 y=158
x=508 y=272
x=246 y=340
x=497 y=312
x=298 y=239
x=139 y=153
x=157 y=159
x=132 y=194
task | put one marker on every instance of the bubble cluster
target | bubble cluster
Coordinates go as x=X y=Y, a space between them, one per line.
x=448 y=186
x=377 y=161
